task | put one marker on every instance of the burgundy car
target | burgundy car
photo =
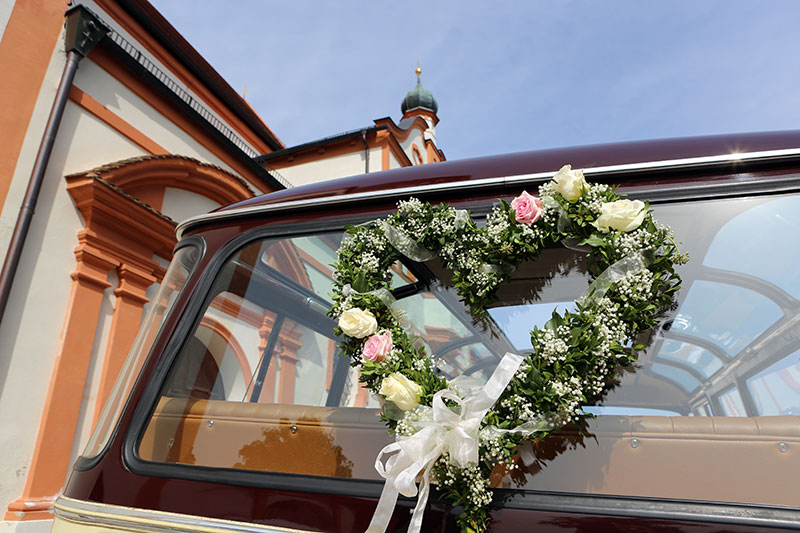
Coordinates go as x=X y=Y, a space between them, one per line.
x=236 y=412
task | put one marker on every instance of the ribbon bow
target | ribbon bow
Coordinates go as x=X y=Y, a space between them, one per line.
x=442 y=431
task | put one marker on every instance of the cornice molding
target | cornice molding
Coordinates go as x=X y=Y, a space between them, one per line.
x=118 y=223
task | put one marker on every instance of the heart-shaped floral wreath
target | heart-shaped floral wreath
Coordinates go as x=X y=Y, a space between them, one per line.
x=452 y=433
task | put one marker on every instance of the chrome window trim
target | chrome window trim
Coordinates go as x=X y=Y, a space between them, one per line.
x=133 y=519
x=668 y=164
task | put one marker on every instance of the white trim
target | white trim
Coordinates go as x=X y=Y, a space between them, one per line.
x=133 y=519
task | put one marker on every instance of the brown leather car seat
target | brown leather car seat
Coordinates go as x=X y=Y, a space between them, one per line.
x=751 y=460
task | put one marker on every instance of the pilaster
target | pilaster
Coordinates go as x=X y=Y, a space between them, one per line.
x=51 y=457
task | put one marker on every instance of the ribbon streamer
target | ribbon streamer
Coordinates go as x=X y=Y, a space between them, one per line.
x=416 y=252
x=440 y=431
x=486 y=268
x=613 y=274
x=460 y=218
x=386 y=299
x=405 y=244
x=563 y=224
x=411 y=248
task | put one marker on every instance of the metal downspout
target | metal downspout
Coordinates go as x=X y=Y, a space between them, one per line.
x=84 y=30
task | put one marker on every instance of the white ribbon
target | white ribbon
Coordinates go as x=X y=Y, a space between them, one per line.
x=411 y=248
x=442 y=431
x=563 y=224
x=405 y=244
x=386 y=298
x=460 y=217
x=613 y=274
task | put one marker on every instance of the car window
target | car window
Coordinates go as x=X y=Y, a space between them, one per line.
x=708 y=412
x=182 y=265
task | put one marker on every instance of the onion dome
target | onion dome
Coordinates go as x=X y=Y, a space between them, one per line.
x=419 y=98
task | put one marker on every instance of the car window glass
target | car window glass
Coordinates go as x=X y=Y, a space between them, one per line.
x=747 y=244
x=260 y=384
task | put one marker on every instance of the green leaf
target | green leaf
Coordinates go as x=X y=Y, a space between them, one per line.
x=595 y=240
x=554 y=322
x=360 y=282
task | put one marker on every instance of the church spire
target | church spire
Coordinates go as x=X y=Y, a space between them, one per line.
x=419 y=98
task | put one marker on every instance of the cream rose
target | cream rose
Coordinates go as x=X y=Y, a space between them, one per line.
x=570 y=183
x=622 y=215
x=358 y=323
x=401 y=391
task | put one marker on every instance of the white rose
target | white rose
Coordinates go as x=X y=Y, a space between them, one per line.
x=401 y=391
x=570 y=183
x=358 y=323
x=622 y=215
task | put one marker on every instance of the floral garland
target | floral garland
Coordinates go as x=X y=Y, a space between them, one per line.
x=574 y=355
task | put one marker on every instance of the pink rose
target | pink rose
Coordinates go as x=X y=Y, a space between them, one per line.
x=527 y=208
x=378 y=347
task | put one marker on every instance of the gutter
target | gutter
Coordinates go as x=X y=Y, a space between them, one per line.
x=84 y=31
x=319 y=142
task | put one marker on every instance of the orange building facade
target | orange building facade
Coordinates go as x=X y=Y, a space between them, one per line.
x=149 y=135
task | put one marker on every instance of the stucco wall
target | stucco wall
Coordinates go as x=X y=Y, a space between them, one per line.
x=414 y=139
x=180 y=205
x=31 y=330
x=116 y=97
x=334 y=167
x=6 y=6
x=26 y=351
x=30 y=145
x=32 y=324
x=112 y=23
x=393 y=162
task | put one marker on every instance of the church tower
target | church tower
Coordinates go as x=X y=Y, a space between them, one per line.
x=385 y=145
x=420 y=102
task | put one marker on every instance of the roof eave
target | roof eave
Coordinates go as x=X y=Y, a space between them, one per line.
x=317 y=143
x=149 y=17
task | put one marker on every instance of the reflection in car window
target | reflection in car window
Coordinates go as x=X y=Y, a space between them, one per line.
x=776 y=389
x=182 y=265
x=728 y=356
x=512 y=319
x=727 y=315
x=678 y=376
x=692 y=356
x=747 y=244
x=731 y=403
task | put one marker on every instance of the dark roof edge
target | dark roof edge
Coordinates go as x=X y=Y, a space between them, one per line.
x=195 y=117
x=319 y=142
x=155 y=23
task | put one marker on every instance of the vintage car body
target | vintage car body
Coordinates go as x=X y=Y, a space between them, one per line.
x=704 y=436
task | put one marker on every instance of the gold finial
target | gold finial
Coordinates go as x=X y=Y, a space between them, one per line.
x=419 y=70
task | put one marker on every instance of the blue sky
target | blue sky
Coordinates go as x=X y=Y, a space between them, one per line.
x=508 y=76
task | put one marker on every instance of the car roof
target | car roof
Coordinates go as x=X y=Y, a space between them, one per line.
x=524 y=166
